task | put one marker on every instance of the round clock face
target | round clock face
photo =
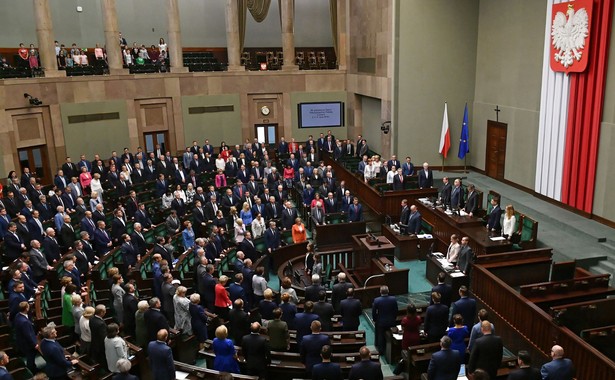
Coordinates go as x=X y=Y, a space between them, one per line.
x=265 y=110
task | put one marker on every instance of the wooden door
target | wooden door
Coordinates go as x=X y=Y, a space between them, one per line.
x=267 y=133
x=496 y=149
x=35 y=158
x=154 y=140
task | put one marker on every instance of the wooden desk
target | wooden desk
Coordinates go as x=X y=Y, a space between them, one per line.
x=445 y=225
x=432 y=269
x=407 y=247
x=331 y=236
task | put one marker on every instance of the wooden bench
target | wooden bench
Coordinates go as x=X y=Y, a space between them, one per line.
x=519 y=267
x=579 y=289
x=584 y=315
x=602 y=339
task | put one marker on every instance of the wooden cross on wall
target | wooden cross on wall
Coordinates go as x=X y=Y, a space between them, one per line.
x=497 y=113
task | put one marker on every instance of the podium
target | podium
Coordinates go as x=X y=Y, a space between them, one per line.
x=374 y=264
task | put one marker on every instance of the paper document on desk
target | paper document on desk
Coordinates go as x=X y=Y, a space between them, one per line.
x=424 y=236
x=181 y=375
x=463 y=213
x=457 y=274
x=398 y=336
x=497 y=238
x=445 y=264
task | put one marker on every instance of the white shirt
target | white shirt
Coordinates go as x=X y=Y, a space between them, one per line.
x=509 y=225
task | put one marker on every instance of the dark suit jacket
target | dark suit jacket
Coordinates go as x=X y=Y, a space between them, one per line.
x=398 y=184
x=486 y=354
x=38 y=264
x=325 y=312
x=436 y=321
x=129 y=303
x=272 y=239
x=465 y=306
x=12 y=246
x=24 y=333
x=457 y=198
x=338 y=294
x=51 y=249
x=365 y=369
x=414 y=223
x=444 y=365
x=124 y=376
x=351 y=310
x=310 y=348
x=423 y=181
x=464 y=260
x=154 y=321
x=495 y=217
x=327 y=371
x=445 y=293
x=302 y=323
x=312 y=291
x=56 y=364
x=559 y=369
x=239 y=325
x=472 y=202
x=355 y=214
x=161 y=360
x=384 y=311
x=445 y=194
x=255 y=349
x=527 y=373
x=98 y=327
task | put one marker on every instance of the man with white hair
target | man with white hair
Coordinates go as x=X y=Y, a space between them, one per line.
x=425 y=177
x=312 y=291
x=339 y=291
x=559 y=368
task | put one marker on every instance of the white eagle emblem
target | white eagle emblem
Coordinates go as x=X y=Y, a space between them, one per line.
x=569 y=35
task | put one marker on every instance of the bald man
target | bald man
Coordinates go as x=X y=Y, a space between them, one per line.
x=559 y=368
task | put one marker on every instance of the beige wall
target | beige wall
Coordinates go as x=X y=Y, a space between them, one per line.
x=371 y=122
x=95 y=137
x=509 y=74
x=436 y=63
x=216 y=126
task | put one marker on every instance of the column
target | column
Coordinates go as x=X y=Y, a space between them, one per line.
x=44 y=34
x=175 y=38
x=342 y=33
x=112 y=42
x=232 y=36
x=288 y=34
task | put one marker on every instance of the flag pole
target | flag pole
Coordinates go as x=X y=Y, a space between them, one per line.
x=465 y=164
x=442 y=163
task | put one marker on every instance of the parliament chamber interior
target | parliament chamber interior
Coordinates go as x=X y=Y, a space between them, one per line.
x=270 y=189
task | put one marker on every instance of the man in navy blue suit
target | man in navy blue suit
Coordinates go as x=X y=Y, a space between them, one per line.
x=559 y=368
x=525 y=371
x=465 y=306
x=272 y=237
x=414 y=221
x=445 y=290
x=366 y=368
x=303 y=321
x=351 y=310
x=494 y=223
x=436 y=319
x=161 y=357
x=355 y=211
x=384 y=314
x=15 y=298
x=4 y=373
x=487 y=353
x=24 y=334
x=56 y=364
x=446 y=363
x=311 y=346
x=326 y=370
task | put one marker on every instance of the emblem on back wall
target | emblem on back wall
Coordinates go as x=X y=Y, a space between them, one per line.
x=570 y=36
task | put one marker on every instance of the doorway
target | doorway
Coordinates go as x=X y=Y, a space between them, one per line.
x=35 y=158
x=156 y=141
x=496 y=149
x=267 y=133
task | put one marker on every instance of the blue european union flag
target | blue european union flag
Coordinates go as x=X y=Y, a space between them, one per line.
x=464 y=140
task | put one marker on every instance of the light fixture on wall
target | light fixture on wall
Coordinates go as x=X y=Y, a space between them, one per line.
x=386 y=127
x=33 y=101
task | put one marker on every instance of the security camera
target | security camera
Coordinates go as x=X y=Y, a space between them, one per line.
x=385 y=127
x=32 y=100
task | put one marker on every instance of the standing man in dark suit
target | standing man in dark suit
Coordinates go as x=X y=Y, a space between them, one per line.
x=303 y=321
x=355 y=211
x=384 y=314
x=457 y=201
x=414 y=221
x=339 y=291
x=325 y=311
x=445 y=291
x=436 y=319
x=311 y=346
x=445 y=192
x=559 y=368
x=494 y=224
x=446 y=363
x=161 y=357
x=56 y=364
x=326 y=370
x=154 y=319
x=487 y=353
x=398 y=180
x=525 y=371
x=129 y=304
x=256 y=352
x=404 y=216
x=38 y=262
x=351 y=310
x=472 y=202
x=98 y=328
x=466 y=256
x=465 y=306
x=13 y=245
x=425 y=177
x=366 y=368
x=25 y=336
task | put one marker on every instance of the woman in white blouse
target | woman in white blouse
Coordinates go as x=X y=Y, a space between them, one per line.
x=96 y=186
x=258 y=226
x=220 y=163
x=510 y=222
x=240 y=230
x=84 y=327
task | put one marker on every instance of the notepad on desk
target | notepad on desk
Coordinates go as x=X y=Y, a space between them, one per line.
x=497 y=238
x=181 y=375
